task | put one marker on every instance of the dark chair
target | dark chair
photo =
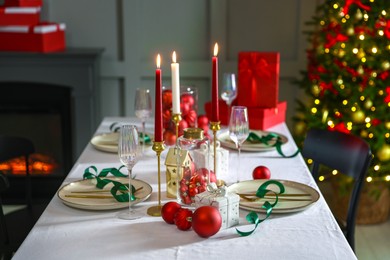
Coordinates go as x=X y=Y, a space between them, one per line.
x=16 y=225
x=348 y=154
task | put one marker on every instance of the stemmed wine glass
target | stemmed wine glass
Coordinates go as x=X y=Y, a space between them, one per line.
x=143 y=109
x=229 y=88
x=128 y=151
x=239 y=129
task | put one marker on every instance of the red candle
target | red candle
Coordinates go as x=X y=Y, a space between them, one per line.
x=158 y=137
x=214 y=87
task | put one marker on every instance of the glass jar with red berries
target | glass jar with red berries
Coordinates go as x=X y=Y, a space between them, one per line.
x=188 y=110
x=193 y=158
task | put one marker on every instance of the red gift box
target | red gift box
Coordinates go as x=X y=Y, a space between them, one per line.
x=258 y=79
x=264 y=118
x=19 y=15
x=23 y=3
x=38 y=38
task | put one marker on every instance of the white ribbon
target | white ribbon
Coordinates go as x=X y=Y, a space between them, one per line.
x=215 y=191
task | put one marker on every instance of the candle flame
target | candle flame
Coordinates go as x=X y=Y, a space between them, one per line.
x=158 y=61
x=216 y=49
x=174 y=57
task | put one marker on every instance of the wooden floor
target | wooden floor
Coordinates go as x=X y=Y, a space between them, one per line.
x=372 y=242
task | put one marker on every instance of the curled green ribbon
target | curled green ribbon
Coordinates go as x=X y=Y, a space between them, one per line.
x=254 y=138
x=252 y=217
x=119 y=190
x=114 y=127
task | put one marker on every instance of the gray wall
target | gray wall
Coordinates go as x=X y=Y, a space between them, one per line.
x=132 y=32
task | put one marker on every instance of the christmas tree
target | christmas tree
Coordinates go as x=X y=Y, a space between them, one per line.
x=348 y=76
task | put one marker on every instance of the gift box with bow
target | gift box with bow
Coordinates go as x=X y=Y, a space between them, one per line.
x=227 y=203
x=258 y=79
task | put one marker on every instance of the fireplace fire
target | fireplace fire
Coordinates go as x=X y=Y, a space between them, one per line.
x=39 y=164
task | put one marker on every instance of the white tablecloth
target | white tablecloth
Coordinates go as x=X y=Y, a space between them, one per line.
x=63 y=232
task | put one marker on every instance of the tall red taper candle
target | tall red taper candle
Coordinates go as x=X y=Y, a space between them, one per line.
x=214 y=90
x=158 y=136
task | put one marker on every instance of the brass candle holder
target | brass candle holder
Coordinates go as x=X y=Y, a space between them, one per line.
x=155 y=211
x=176 y=118
x=216 y=126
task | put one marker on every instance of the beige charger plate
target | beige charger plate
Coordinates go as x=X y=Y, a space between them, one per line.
x=225 y=140
x=251 y=186
x=108 y=142
x=100 y=204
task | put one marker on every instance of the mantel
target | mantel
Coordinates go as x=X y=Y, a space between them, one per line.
x=75 y=67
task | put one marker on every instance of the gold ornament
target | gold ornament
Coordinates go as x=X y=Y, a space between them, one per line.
x=368 y=104
x=384 y=153
x=386 y=65
x=360 y=70
x=315 y=90
x=299 y=128
x=364 y=134
x=358 y=116
x=350 y=31
x=387 y=124
x=359 y=14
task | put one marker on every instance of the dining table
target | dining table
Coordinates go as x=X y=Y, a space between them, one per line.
x=69 y=231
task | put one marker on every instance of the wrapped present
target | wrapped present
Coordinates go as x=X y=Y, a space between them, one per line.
x=44 y=37
x=227 y=203
x=264 y=118
x=222 y=159
x=258 y=79
x=19 y=15
x=23 y=3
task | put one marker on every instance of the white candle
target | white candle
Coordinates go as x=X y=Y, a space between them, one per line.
x=175 y=85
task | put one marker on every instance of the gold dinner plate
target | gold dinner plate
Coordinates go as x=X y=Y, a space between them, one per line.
x=225 y=140
x=286 y=204
x=85 y=188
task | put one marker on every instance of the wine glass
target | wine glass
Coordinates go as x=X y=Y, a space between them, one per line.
x=229 y=89
x=128 y=151
x=143 y=109
x=239 y=129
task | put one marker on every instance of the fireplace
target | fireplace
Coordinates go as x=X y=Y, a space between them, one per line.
x=42 y=113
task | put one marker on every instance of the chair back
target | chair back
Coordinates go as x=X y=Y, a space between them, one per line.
x=348 y=154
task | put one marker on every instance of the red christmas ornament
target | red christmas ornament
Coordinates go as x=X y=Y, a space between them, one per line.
x=261 y=172
x=191 y=118
x=169 y=210
x=182 y=125
x=183 y=218
x=167 y=99
x=206 y=221
x=203 y=120
x=184 y=108
x=169 y=137
x=188 y=99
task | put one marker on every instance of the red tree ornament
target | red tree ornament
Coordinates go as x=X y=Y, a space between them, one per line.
x=206 y=221
x=169 y=210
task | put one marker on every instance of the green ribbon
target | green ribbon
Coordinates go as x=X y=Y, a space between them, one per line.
x=119 y=191
x=115 y=128
x=254 y=138
x=252 y=217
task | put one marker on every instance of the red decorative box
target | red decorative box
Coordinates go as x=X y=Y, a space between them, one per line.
x=37 y=38
x=23 y=3
x=264 y=118
x=258 y=79
x=19 y=15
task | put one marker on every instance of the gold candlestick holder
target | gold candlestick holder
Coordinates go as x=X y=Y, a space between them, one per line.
x=176 y=118
x=155 y=211
x=215 y=127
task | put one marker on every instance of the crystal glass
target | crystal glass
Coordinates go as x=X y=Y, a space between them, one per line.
x=239 y=129
x=229 y=88
x=128 y=152
x=143 y=110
